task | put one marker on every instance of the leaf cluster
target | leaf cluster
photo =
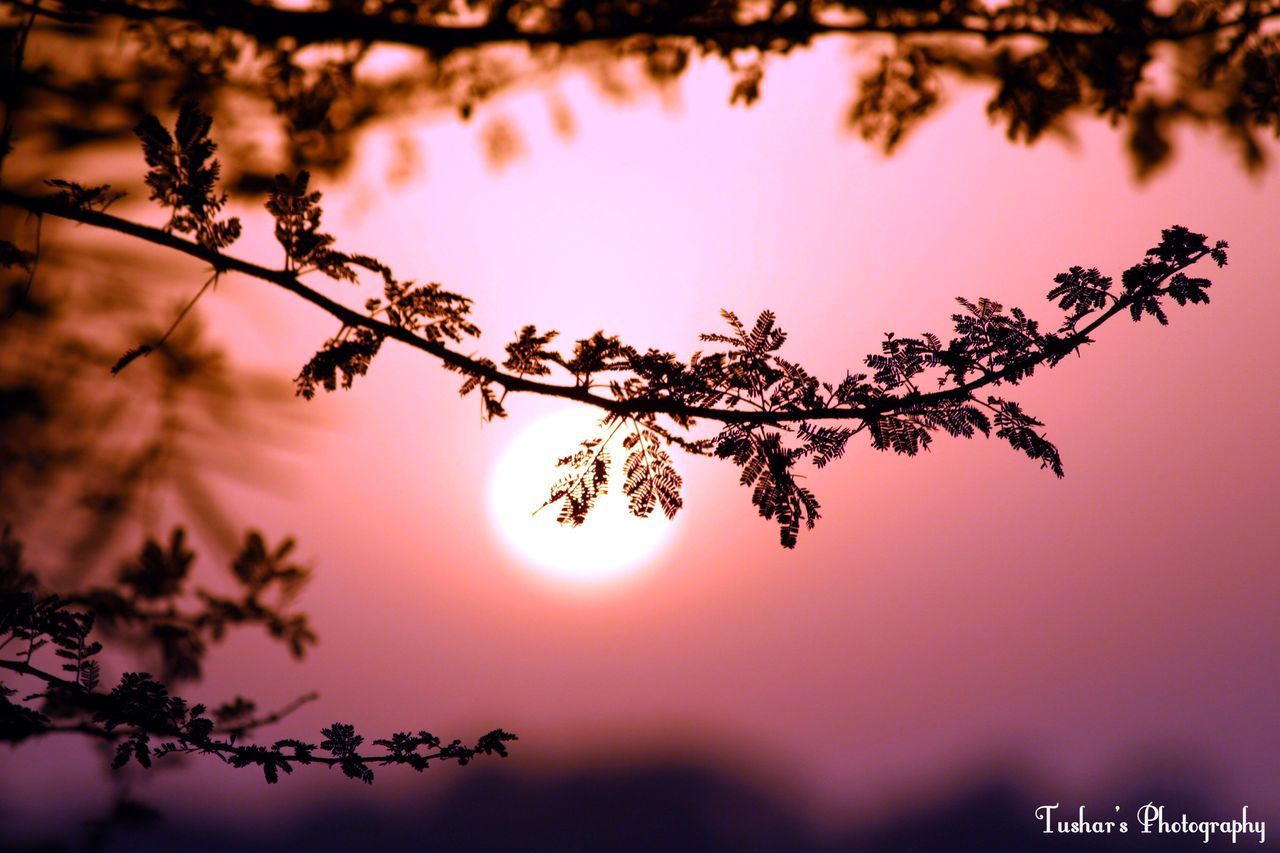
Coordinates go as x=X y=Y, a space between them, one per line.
x=139 y=716
x=183 y=176
x=75 y=195
x=913 y=388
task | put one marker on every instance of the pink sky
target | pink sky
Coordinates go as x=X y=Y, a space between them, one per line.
x=952 y=610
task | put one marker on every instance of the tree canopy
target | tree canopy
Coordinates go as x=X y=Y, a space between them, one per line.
x=315 y=70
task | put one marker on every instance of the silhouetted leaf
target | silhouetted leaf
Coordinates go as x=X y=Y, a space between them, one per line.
x=183 y=176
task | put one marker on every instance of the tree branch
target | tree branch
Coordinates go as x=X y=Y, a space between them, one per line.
x=885 y=405
x=24 y=668
x=247 y=726
x=270 y=23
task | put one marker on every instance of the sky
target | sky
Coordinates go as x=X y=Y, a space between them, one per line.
x=954 y=611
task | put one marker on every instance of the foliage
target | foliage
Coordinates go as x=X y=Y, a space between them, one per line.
x=772 y=411
x=81 y=456
x=1147 y=66
x=1044 y=63
x=774 y=408
x=297 y=214
x=652 y=479
x=183 y=176
x=138 y=716
x=587 y=480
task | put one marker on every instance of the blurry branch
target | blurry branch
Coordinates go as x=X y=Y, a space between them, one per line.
x=10 y=87
x=240 y=729
x=146 y=349
x=82 y=460
x=223 y=263
x=774 y=413
x=1145 y=65
x=139 y=716
x=790 y=23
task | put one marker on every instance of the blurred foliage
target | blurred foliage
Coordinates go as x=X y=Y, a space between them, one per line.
x=773 y=413
x=81 y=457
x=293 y=86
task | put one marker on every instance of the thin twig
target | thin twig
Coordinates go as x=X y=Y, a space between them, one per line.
x=273 y=717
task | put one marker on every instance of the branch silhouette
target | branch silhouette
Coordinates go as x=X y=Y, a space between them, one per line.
x=768 y=407
x=139 y=716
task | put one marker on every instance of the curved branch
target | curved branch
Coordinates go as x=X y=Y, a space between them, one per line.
x=885 y=405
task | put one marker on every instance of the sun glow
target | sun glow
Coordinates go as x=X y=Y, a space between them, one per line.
x=611 y=543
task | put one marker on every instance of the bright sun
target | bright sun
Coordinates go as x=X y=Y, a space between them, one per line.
x=611 y=543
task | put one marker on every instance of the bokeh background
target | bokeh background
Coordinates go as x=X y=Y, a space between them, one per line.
x=963 y=637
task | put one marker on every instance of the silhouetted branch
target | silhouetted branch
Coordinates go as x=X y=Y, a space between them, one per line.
x=747 y=389
x=770 y=409
x=139 y=716
x=24 y=668
x=887 y=404
x=221 y=262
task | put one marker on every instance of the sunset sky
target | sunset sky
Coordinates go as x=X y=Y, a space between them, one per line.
x=950 y=613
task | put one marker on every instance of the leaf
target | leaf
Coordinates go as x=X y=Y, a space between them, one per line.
x=527 y=355
x=1177 y=246
x=1018 y=428
x=490 y=401
x=90 y=674
x=900 y=434
x=825 y=444
x=587 y=481
x=767 y=468
x=1219 y=253
x=650 y=477
x=349 y=354
x=1080 y=290
x=341 y=739
x=158 y=571
x=12 y=256
x=495 y=742
x=80 y=197
x=895 y=96
x=130 y=357
x=183 y=176
x=17 y=723
x=297 y=213
x=1184 y=289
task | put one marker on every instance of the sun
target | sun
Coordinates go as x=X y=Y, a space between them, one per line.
x=611 y=544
